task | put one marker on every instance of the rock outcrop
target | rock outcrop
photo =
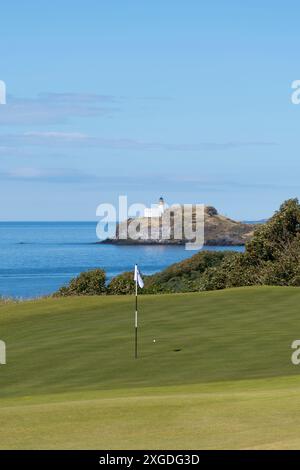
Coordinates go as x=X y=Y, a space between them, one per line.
x=218 y=229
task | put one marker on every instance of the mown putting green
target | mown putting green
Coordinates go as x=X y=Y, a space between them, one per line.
x=71 y=380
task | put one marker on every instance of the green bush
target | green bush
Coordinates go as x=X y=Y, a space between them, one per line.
x=234 y=271
x=123 y=284
x=274 y=237
x=184 y=276
x=272 y=257
x=87 y=283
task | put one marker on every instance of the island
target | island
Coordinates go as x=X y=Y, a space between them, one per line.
x=218 y=229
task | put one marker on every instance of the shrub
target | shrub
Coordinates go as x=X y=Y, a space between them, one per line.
x=87 y=283
x=274 y=237
x=234 y=271
x=123 y=284
x=184 y=276
x=272 y=257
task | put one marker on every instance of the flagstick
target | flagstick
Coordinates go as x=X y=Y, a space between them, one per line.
x=136 y=318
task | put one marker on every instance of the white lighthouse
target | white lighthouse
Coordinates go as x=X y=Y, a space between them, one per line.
x=156 y=210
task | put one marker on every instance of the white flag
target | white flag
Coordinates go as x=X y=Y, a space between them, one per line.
x=138 y=277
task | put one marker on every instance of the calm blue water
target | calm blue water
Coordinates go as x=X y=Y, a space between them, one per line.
x=36 y=258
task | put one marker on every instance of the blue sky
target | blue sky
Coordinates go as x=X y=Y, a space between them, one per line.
x=191 y=100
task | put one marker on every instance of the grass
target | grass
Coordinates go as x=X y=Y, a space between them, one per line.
x=71 y=381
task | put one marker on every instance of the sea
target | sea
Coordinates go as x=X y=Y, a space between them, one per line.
x=36 y=258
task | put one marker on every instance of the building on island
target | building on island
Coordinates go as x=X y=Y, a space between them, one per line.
x=156 y=210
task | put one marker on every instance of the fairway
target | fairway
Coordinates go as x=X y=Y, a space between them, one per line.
x=218 y=376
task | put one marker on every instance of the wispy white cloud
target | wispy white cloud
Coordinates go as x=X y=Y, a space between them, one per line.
x=87 y=181
x=69 y=139
x=49 y=175
x=84 y=98
x=55 y=108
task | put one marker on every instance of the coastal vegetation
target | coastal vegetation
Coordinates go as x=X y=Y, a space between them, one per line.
x=271 y=257
x=87 y=283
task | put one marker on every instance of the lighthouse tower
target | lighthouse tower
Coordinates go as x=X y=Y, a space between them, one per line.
x=156 y=210
x=161 y=205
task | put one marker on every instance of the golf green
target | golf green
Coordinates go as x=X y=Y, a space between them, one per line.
x=219 y=374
